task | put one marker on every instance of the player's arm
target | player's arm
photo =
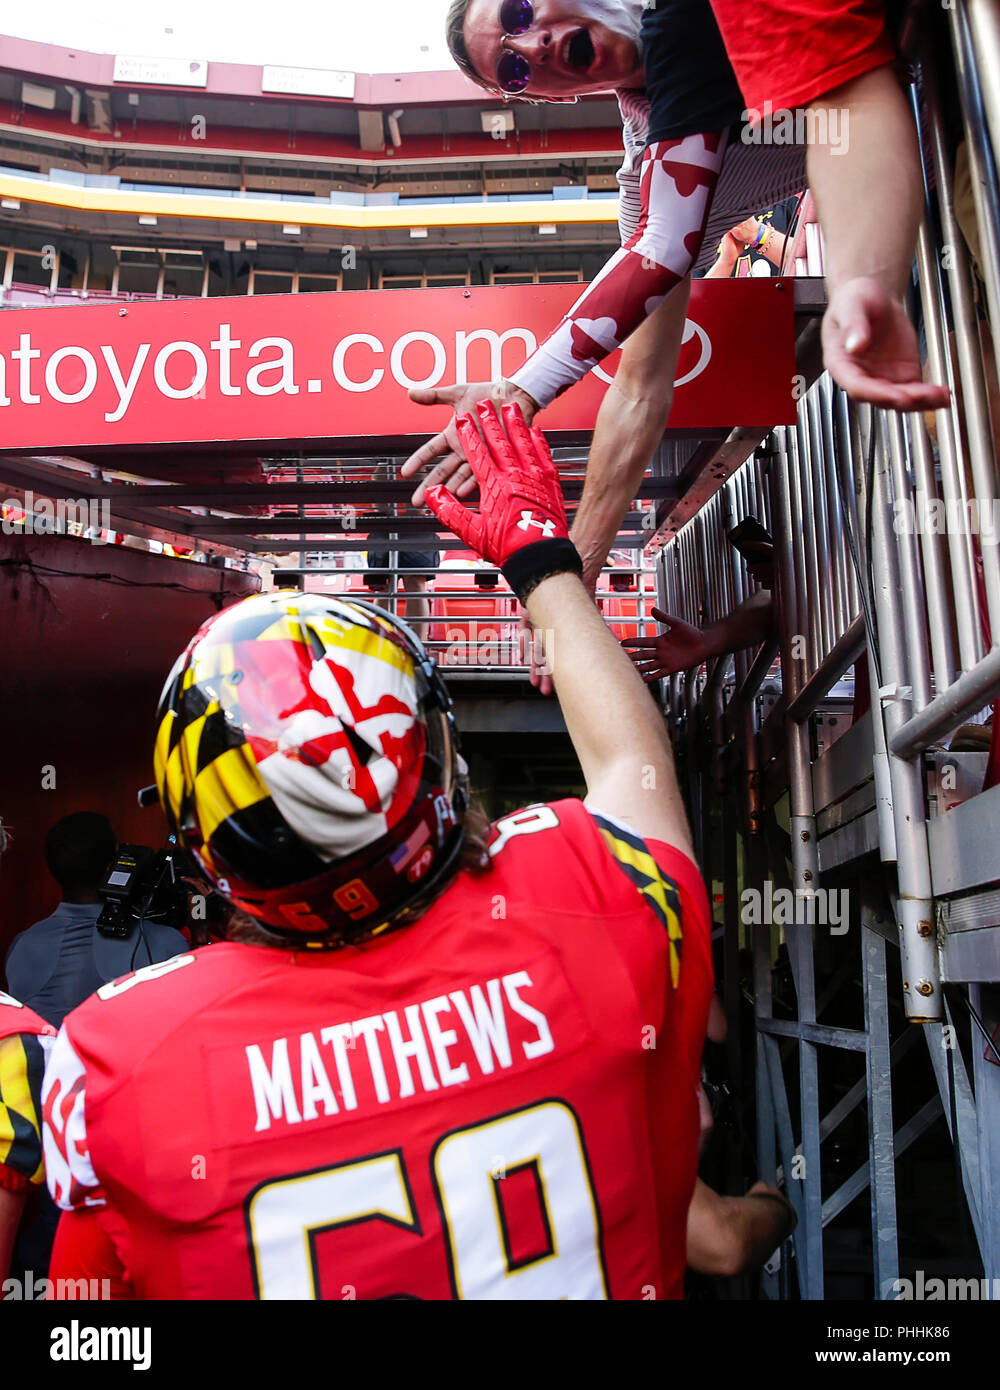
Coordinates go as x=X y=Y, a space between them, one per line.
x=22 y=1060
x=84 y=1249
x=70 y=1175
x=630 y=424
x=727 y=1236
x=12 y=1199
x=618 y=733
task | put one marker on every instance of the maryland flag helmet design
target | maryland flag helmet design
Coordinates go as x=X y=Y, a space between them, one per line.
x=306 y=754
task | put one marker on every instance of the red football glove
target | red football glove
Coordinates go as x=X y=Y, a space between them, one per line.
x=520 y=500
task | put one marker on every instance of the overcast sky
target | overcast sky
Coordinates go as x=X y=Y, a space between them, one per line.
x=355 y=35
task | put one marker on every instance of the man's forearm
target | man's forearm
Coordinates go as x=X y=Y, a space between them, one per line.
x=749 y=624
x=617 y=731
x=630 y=424
x=592 y=675
x=877 y=150
x=626 y=434
x=767 y=1221
x=727 y=1236
x=678 y=182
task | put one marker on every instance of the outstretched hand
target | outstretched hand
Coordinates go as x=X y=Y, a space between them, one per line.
x=678 y=648
x=445 y=450
x=870 y=349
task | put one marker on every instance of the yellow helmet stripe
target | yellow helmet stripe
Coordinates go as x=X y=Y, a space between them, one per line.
x=230 y=783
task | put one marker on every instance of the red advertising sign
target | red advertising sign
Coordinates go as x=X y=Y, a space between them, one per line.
x=336 y=367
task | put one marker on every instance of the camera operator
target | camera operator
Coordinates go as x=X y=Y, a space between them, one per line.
x=57 y=963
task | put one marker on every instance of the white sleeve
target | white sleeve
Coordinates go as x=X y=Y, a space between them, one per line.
x=677 y=182
x=69 y=1172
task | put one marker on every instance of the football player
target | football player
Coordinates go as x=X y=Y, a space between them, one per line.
x=442 y=1059
x=24 y=1042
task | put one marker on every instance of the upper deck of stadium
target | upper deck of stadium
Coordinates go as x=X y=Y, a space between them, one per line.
x=428 y=178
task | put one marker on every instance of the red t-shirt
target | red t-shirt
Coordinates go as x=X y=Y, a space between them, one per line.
x=497 y=1102
x=790 y=52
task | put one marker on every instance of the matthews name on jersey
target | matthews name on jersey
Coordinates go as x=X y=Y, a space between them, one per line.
x=495 y=1102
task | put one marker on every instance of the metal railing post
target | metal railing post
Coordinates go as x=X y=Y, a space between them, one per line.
x=805 y=859
x=921 y=983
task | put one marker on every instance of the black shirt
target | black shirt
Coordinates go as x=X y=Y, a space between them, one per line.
x=689 y=79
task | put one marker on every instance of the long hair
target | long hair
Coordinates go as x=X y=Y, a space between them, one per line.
x=621 y=16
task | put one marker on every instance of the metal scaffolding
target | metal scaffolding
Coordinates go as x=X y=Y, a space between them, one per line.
x=886 y=531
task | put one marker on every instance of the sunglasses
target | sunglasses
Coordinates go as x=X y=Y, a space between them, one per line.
x=514 y=70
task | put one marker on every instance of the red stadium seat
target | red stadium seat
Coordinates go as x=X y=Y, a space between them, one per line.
x=476 y=626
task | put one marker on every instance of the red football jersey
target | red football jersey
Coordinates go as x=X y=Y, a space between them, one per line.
x=497 y=1102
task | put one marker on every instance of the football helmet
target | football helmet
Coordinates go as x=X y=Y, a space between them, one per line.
x=307 y=756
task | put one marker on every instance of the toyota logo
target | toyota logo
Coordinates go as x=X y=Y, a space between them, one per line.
x=696 y=347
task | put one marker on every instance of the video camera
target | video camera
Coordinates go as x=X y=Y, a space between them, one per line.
x=142 y=885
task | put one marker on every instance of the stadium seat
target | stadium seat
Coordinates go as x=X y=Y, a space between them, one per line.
x=474 y=630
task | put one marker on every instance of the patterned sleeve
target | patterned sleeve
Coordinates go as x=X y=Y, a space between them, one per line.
x=629 y=202
x=22 y=1066
x=677 y=183
x=72 y=1181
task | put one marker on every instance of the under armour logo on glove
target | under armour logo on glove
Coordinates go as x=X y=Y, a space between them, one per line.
x=547 y=528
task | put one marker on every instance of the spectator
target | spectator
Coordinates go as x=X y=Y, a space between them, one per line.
x=836 y=61
x=758 y=246
x=682 y=647
x=54 y=965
